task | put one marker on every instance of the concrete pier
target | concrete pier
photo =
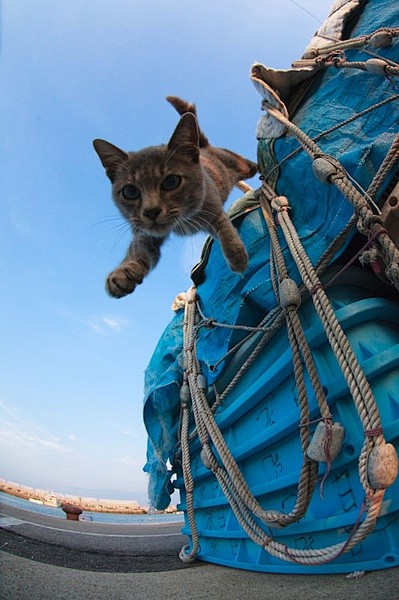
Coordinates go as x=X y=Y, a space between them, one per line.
x=46 y=558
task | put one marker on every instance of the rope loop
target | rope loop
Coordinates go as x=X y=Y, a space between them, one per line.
x=186 y=556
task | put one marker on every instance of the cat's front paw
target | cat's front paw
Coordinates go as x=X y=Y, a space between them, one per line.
x=122 y=281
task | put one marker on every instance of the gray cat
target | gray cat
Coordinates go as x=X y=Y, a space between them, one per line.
x=176 y=187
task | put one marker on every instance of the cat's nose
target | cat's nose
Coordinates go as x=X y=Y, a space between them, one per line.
x=152 y=213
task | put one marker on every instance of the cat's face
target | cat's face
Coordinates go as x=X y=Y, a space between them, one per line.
x=160 y=188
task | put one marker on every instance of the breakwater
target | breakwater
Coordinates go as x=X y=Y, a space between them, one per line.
x=55 y=499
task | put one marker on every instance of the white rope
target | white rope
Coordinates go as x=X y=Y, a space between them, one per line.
x=329 y=170
x=236 y=489
x=225 y=468
x=187 y=554
x=242 y=502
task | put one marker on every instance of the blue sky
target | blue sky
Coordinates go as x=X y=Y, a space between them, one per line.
x=72 y=358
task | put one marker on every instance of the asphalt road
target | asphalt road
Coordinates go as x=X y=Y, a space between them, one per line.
x=88 y=545
x=48 y=558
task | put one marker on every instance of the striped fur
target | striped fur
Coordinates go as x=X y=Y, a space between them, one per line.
x=176 y=187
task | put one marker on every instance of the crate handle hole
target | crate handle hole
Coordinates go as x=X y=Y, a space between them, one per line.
x=349 y=450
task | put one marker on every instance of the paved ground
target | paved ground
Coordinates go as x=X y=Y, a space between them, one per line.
x=90 y=546
x=51 y=559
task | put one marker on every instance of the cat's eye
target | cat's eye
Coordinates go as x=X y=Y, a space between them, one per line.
x=131 y=192
x=171 y=182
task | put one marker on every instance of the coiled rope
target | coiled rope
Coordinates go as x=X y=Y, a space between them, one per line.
x=244 y=505
x=329 y=170
x=242 y=502
x=379 y=38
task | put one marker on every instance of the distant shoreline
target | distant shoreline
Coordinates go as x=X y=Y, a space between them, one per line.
x=98 y=505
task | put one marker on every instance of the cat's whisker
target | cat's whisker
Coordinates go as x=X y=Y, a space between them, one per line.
x=190 y=225
x=122 y=225
x=102 y=222
x=207 y=212
x=185 y=226
x=122 y=229
x=110 y=218
x=206 y=217
x=201 y=220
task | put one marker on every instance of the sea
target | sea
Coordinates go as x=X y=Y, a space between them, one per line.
x=154 y=518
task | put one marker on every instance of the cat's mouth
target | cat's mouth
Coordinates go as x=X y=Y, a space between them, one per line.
x=157 y=229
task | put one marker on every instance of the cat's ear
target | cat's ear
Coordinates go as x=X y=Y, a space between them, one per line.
x=185 y=138
x=110 y=156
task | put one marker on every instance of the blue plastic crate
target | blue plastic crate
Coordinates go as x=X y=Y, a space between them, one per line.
x=260 y=424
x=259 y=418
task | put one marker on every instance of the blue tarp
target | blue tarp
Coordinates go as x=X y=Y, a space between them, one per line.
x=319 y=213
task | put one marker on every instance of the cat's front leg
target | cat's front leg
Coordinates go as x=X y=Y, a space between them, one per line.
x=232 y=245
x=142 y=256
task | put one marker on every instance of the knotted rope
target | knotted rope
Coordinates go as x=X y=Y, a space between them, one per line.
x=241 y=500
x=225 y=468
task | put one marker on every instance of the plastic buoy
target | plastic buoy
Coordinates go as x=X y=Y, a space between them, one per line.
x=382 y=466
